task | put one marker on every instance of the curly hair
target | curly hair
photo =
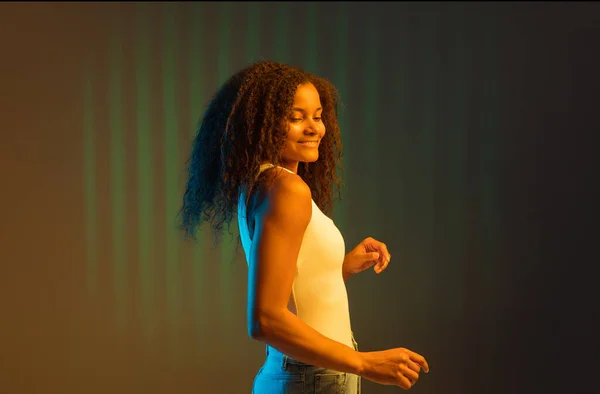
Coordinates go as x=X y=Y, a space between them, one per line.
x=241 y=129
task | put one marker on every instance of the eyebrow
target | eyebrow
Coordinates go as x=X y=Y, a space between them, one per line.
x=302 y=110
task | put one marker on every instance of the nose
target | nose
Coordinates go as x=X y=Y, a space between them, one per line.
x=312 y=127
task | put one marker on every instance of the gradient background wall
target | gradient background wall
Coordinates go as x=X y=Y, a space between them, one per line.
x=465 y=147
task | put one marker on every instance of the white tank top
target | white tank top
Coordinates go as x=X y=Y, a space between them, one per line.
x=319 y=296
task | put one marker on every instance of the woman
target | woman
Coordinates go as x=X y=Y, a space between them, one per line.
x=267 y=149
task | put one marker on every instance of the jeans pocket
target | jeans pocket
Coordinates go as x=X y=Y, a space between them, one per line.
x=330 y=383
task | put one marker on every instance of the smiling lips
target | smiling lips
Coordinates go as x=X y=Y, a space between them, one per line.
x=312 y=144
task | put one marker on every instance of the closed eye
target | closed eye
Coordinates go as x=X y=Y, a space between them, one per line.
x=317 y=119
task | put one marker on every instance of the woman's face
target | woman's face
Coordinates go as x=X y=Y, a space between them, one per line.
x=305 y=128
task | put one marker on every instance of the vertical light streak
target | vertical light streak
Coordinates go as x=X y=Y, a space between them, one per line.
x=145 y=198
x=117 y=176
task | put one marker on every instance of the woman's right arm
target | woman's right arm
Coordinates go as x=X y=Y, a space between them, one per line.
x=280 y=221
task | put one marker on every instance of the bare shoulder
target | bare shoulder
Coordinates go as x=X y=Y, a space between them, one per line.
x=288 y=197
x=289 y=185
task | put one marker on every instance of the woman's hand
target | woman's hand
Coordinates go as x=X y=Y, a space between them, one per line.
x=399 y=367
x=366 y=254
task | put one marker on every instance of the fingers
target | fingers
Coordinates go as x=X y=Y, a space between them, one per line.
x=408 y=379
x=417 y=358
x=383 y=261
x=413 y=366
x=404 y=382
x=411 y=375
x=376 y=258
x=384 y=252
x=385 y=257
x=371 y=243
x=381 y=266
x=381 y=255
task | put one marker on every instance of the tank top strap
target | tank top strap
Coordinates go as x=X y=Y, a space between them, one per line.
x=266 y=166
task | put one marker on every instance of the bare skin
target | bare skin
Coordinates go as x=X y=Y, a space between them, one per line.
x=280 y=214
x=305 y=128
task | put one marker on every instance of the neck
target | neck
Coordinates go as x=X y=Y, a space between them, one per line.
x=292 y=166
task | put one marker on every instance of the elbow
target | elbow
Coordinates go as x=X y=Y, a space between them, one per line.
x=255 y=329
x=261 y=325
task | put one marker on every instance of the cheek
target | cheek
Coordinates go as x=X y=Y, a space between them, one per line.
x=322 y=130
x=294 y=132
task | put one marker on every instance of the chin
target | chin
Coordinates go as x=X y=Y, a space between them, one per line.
x=311 y=158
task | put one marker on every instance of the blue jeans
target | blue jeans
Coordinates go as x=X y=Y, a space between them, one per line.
x=281 y=374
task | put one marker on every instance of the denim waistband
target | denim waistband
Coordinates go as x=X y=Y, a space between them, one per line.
x=276 y=356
